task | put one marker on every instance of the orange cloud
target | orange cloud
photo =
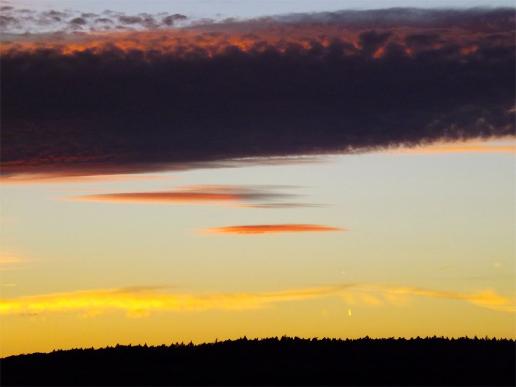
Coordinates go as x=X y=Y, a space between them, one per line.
x=272 y=228
x=164 y=197
x=242 y=196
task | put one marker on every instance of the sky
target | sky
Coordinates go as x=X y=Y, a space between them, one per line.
x=170 y=180
x=247 y=8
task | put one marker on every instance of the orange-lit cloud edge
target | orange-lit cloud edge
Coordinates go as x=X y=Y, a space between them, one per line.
x=214 y=39
x=502 y=145
x=58 y=178
x=254 y=229
x=142 y=301
x=16 y=173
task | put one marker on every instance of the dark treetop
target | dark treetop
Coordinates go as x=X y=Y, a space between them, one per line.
x=273 y=361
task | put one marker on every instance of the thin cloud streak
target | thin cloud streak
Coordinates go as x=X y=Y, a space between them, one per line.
x=141 y=301
x=163 y=197
x=271 y=229
x=253 y=196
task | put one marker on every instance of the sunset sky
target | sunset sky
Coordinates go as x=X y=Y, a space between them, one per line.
x=341 y=173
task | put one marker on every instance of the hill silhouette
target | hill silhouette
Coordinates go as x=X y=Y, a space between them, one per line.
x=275 y=361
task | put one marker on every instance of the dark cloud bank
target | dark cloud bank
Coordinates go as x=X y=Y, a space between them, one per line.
x=105 y=110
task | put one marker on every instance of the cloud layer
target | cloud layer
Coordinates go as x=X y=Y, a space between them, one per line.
x=141 y=301
x=296 y=85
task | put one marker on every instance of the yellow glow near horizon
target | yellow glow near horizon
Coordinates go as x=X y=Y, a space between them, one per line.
x=143 y=300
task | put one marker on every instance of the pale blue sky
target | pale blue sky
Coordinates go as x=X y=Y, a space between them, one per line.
x=246 y=8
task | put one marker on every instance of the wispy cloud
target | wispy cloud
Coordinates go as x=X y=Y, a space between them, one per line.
x=267 y=196
x=272 y=229
x=141 y=301
x=399 y=295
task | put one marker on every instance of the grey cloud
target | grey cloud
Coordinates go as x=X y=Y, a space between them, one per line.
x=130 y=19
x=21 y=21
x=6 y=21
x=104 y=20
x=172 y=19
x=79 y=21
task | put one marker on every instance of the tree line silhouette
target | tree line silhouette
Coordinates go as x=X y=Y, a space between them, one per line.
x=275 y=361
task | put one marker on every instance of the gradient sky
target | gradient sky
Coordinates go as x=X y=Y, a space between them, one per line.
x=404 y=241
x=416 y=225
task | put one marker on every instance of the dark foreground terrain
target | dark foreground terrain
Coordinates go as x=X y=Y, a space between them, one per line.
x=285 y=361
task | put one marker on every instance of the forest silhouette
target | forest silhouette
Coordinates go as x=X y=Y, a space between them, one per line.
x=430 y=361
